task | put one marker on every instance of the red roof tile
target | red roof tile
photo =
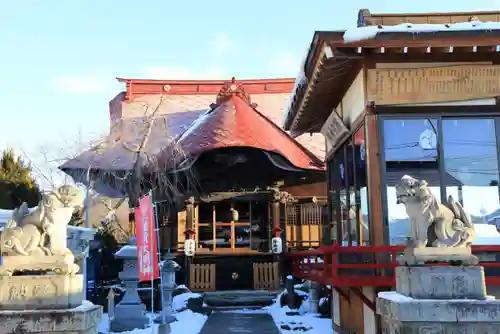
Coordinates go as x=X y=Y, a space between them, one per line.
x=234 y=122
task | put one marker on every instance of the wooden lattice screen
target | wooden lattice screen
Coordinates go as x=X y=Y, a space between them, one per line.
x=168 y=227
x=266 y=276
x=304 y=225
x=202 y=277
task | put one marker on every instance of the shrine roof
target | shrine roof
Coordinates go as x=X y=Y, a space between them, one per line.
x=335 y=57
x=175 y=111
x=234 y=121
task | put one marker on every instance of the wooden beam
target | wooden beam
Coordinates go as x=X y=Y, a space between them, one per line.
x=357 y=291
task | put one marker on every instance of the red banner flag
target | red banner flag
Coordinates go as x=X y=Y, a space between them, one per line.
x=147 y=251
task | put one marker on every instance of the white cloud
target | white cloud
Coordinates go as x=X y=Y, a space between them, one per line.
x=222 y=45
x=284 y=65
x=85 y=83
x=182 y=73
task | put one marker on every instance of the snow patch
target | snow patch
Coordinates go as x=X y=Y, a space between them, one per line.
x=301 y=293
x=369 y=32
x=179 y=302
x=311 y=321
x=399 y=298
x=187 y=322
x=127 y=251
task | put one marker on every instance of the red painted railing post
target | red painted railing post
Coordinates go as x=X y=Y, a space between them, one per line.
x=334 y=264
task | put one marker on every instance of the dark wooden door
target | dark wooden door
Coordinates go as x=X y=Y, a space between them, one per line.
x=234 y=273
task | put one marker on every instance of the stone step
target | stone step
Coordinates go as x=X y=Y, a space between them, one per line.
x=235 y=308
x=227 y=322
x=239 y=298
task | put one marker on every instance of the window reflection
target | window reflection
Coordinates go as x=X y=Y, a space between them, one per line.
x=361 y=185
x=410 y=148
x=348 y=193
x=470 y=158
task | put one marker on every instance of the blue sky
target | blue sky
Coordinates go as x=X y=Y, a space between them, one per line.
x=58 y=59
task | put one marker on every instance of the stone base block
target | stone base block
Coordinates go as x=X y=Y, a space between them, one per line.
x=128 y=317
x=441 y=282
x=41 y=292
x=83 y=319
x=421 y=255
x=63 y=264
x=404 y=315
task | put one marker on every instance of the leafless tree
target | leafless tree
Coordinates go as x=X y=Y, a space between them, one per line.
x=147 y=170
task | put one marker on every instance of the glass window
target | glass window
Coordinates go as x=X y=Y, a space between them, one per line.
x=334 y=199
x=242 y=232
x=351 y=227
x=205 y=225
x=471 y=166
x=348 y=193
x=343 y=211
x=361 y=188
x=410 y=148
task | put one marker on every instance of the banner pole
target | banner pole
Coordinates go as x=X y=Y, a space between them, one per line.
x=163 y=319
x=151 y=236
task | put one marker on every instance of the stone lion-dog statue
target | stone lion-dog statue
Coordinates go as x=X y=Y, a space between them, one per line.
x=432 y=223
x=42 y=231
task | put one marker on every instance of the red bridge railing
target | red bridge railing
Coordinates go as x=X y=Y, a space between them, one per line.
x=338 y=265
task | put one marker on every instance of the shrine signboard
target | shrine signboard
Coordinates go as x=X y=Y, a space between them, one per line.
x=334 y=131
x=390 y=86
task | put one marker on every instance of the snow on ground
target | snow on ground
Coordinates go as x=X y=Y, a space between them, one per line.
x=179 y=302
x=306 y=320
x=187 y=322
x=310 y=321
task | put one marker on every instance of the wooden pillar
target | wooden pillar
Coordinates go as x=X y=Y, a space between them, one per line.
x=190 y=234
x=375 y=190
x=275 y=207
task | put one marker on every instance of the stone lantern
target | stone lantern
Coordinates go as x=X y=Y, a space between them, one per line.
x=79 y=239
x=129 y=313
x=168 y=267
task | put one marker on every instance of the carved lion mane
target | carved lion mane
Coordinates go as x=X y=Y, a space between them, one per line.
x=433 y=223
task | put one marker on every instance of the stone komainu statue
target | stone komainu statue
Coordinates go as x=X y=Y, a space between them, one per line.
x=432 y=223
x=38 y=231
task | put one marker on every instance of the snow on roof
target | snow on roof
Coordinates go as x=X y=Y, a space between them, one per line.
x=370 y=32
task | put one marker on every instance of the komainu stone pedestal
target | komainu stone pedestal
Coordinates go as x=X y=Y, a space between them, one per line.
x=439 y=300
x=79 y=320
x=441 y=282
x=40 y=292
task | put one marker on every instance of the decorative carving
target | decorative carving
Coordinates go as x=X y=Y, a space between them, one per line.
x=229 y=90
x=280 y=196
x=190 y=201
x=445 y=225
